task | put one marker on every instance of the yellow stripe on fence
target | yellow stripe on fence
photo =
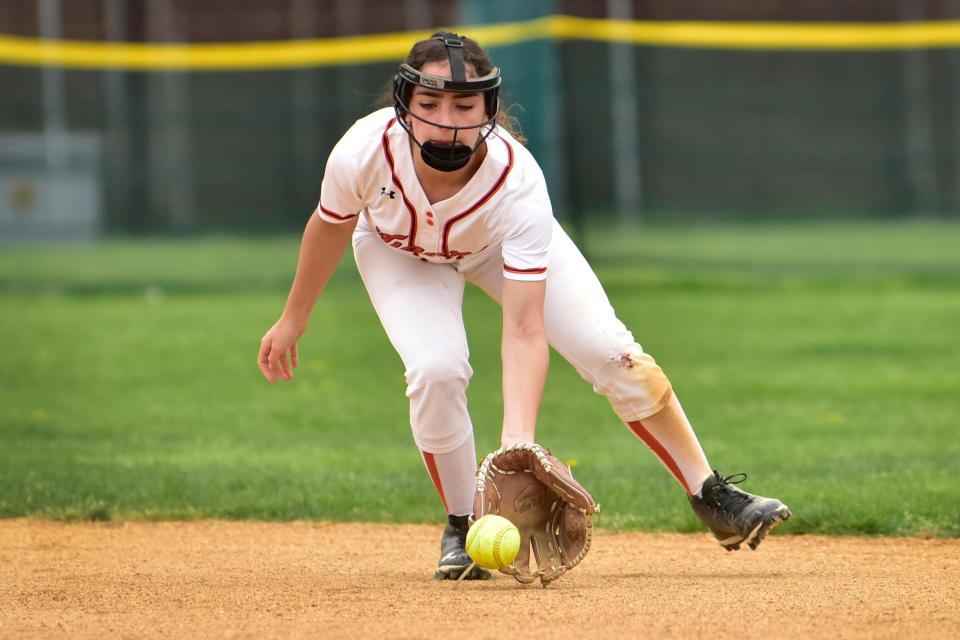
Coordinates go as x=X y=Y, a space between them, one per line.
x=763 y=35
x=394 y=46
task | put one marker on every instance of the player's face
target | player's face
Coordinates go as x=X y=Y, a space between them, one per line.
x=446 y=108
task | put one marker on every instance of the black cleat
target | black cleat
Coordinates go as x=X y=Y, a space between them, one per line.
x=735 y=516
x=453 y=553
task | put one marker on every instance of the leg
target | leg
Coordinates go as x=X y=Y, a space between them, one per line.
x=582 y=326
x=419 y=305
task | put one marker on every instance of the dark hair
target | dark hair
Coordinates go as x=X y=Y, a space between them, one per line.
x=430 y=50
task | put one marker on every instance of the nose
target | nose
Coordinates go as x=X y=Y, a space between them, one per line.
x=439 y=134
x=445 y=115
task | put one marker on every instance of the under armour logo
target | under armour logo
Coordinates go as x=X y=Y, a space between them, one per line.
x=384 y=192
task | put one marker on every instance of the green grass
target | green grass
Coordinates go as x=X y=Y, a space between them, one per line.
x=824 y=360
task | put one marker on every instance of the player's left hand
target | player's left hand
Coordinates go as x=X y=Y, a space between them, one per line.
x=529 y=486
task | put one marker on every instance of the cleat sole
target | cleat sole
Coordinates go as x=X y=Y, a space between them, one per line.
x=769 y=523
x=730 y=543
x=453 y=572
x=756 y=536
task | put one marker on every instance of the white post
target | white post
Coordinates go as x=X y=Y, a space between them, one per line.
x=171 y=190
x=54 y=105
x=304 y=93
x=921 y=170
x=348 y=21
x=954 y=92
x=116 y=144
x=625 y=119
x=552 y=133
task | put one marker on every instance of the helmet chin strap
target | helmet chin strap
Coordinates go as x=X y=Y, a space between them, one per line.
x=446 y=157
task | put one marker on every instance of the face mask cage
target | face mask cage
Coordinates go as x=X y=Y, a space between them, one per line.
x=456 y=155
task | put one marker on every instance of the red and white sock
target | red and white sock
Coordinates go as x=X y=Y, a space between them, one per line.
x=669 y=435
x=454 y=475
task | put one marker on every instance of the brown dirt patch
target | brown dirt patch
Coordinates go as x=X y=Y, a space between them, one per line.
x=263 y=580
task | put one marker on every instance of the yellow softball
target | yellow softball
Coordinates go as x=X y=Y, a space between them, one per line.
x=493 y=542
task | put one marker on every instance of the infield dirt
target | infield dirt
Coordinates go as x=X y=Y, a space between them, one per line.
x=313 y=580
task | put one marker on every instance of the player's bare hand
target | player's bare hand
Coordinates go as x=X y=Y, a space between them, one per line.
x=278 y=350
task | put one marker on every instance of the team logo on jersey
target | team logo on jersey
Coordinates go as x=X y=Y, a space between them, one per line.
x=384 y=192
x=395 y=240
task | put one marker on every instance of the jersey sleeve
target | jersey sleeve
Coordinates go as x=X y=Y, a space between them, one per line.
x=340 y=197
x=527 y=232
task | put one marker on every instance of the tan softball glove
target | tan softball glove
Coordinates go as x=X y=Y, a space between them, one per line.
x=530 y=487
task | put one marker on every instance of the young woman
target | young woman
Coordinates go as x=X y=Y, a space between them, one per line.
x=436 y=192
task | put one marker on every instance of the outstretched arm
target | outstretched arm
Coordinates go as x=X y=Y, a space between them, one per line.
x=320 y=251
x=525 y=358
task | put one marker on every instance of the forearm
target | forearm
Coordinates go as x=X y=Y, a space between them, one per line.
x=321 y=248
x=525 y=361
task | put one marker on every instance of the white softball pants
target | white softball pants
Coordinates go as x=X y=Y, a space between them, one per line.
x=420 y=306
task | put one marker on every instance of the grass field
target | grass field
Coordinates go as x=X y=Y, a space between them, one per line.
x=823 y=360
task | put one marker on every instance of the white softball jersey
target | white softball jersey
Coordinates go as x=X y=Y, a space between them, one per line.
x=415 y=258
x=370 y=173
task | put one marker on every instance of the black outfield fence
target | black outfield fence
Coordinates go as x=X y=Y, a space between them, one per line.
x=631 y=119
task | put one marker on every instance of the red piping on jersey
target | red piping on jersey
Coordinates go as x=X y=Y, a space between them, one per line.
x=535 y=270
x=448 y=225
x=641 y=432
x=434 y=475
x=412 y=236
x=336 y=215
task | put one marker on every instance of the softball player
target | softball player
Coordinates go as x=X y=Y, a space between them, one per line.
x=436 y=192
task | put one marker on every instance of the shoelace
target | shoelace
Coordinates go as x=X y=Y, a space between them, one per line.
x=730 y=479
x=730 y=497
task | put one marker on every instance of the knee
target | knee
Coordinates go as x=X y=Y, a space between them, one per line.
x=638 y=365
x=438 y=372
x=438 y=414
x=634 y=383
